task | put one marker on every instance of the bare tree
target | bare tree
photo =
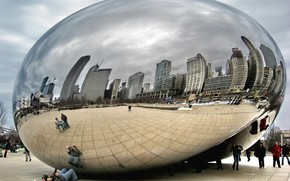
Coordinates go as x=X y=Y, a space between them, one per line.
x=273 y=135
x=3 y=116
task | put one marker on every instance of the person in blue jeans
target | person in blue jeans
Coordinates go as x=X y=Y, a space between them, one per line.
x=236 y=149
x=66 y=175
x=74 y=158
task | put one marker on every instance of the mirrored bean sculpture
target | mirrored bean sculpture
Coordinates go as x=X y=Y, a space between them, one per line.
x=138 y=85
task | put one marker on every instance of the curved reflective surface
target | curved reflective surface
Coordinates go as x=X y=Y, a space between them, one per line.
x=147 y=84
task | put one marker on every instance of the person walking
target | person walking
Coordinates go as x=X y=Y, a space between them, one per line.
x=6 y=147
x=276 y=151
x=285 y=152
x=236 y=149
x=260 y=153
x=27 y=154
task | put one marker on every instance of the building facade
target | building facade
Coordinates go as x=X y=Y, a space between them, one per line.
x=196 y=71
x=163 y=70
x=95 y=83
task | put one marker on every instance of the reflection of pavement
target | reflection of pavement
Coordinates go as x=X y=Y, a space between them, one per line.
x=15 y=168
x=115 y=139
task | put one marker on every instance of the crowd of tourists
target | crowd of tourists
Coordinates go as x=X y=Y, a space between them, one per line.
x=278 y=151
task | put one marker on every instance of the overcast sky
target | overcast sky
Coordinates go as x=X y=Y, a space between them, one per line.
x=22 y=23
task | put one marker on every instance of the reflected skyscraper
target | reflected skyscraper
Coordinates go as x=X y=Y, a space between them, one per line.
x=48 y=90
x=209 y=71
x=255 y=65
x=269 y=70
x=95 y=83
x=163 y=70
x=238 y=69
x=43 y=83
x=268 y=76
x=219 y=70
x=146 y=87
x=269 y=56
x=73 y=75
x=180 y=82
x=135 y=83
x=196 y=72
x=114 y=89
x=279 y=79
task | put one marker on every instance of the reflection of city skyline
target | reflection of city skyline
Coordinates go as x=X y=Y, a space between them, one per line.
x=241 y=74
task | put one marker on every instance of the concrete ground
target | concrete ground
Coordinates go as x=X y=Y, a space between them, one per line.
x=14 y=168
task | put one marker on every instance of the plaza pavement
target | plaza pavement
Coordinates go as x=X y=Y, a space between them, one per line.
x=14 y=168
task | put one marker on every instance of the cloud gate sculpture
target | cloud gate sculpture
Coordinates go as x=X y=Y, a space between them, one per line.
x=146 y=84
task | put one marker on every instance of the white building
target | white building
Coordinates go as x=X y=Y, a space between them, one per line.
x=95 y=83
x=196 y=72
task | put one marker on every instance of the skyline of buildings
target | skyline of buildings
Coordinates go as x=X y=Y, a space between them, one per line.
x=241 y=74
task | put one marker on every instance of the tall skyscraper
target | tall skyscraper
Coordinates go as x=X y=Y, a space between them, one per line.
x=269 y=56
x=114 y=89
x=219 y=70
x=208 y=71
x=268 y=77
x=255 y=66
x=95 y=83
x=48 y=90
x=196 y=72
x=180 y=82
x=135 y=83
x=73 y=75
x=163 y=70
x=169 y=82
x=238 y=69
x=43 y=83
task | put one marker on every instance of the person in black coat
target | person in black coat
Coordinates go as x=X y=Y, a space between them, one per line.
x=285 y=152
x=260 y=152
x=236 y=149
x=7 y=147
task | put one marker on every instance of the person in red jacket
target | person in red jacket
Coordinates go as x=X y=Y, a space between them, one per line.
x=276 y=151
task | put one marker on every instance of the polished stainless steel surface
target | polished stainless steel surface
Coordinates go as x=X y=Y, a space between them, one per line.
x=194 y=74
